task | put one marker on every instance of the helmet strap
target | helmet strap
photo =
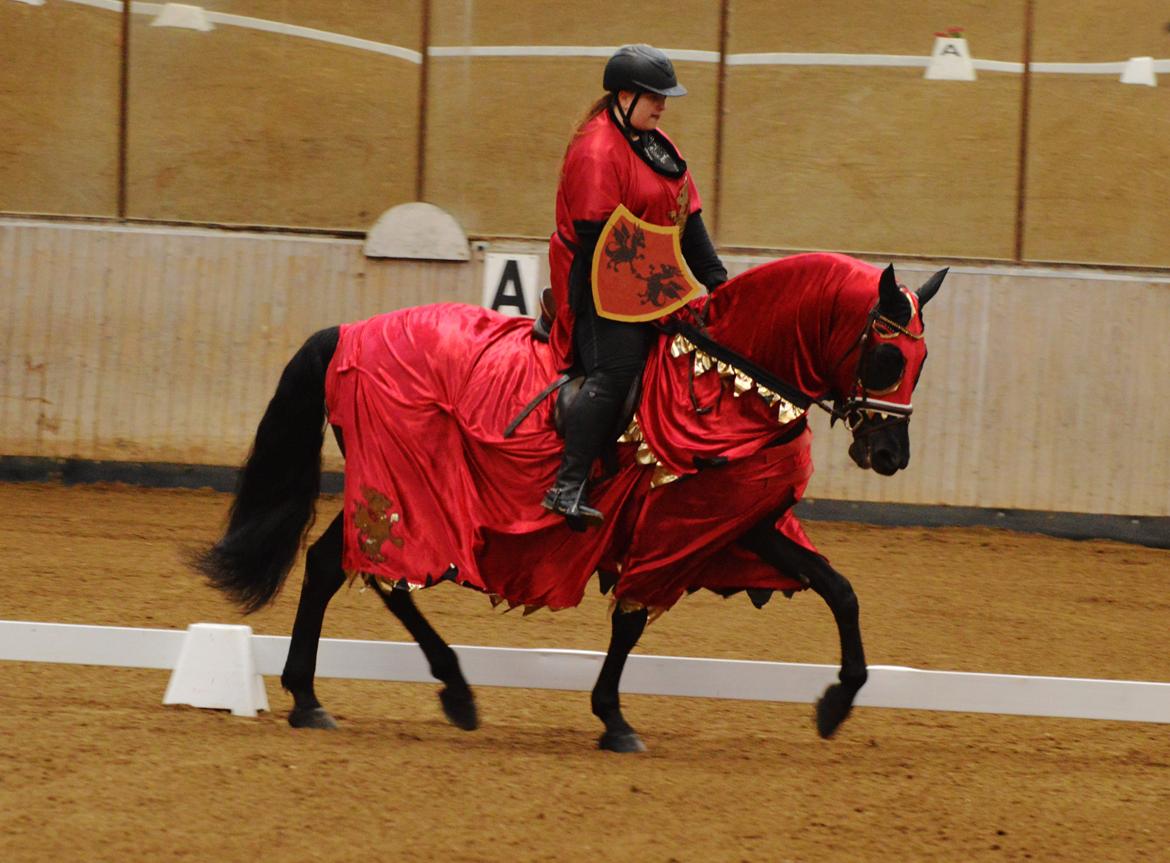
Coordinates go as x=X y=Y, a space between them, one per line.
x=627 y=126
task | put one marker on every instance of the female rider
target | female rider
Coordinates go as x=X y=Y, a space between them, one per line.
x=617 y=156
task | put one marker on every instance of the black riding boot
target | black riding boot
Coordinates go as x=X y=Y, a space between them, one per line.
x=589 y=420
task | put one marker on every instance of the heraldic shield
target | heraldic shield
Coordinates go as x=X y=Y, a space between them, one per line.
x=639 y=273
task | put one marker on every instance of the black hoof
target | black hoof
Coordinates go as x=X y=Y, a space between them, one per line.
x=626 y=741
x=459 y=708
x=315 y=717
x=832 y=709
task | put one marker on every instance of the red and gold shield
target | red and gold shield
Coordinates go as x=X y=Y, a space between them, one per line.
x=638 y=270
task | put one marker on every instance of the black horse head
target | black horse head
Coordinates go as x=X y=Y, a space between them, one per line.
x=893 y=352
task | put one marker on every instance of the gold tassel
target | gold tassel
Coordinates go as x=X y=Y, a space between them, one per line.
x=788 y=412
x=645 y=456
x=680 y=345
x=702 y=363
x=742 y=384
x=662 y=476
x=633 y=432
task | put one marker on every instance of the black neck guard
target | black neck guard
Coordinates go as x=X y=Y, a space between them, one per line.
x=654 y=149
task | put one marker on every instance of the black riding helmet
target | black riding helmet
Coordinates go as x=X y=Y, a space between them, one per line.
x=641 y=68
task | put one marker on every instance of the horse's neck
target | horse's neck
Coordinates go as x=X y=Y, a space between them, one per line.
x=795 y=317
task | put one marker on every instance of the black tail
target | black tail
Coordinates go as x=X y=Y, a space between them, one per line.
x=278 y=485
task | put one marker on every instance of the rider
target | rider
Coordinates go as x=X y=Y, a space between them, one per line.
x=617 y=156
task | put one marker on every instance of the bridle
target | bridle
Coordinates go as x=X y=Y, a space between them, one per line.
x=854 y=410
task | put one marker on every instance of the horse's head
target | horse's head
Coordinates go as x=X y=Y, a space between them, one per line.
x=891 y=352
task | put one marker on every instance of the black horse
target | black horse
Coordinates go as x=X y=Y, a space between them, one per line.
x=812 y=329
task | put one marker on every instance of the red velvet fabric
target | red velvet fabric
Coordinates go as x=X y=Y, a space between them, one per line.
x=422 y=397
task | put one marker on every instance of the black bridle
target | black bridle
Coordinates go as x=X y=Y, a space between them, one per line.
x=854 y=410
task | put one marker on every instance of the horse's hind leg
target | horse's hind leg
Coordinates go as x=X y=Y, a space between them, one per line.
x=456 y=696
x=323 y=576
x=619 y=736
x=796 y=561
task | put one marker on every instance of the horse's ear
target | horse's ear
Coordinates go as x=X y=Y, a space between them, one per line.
x=893 y=304
x=930 y=286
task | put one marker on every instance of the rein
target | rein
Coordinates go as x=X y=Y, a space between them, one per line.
x=853 y=410
x=850 y=410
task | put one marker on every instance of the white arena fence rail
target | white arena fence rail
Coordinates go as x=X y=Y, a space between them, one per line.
x=216 y=665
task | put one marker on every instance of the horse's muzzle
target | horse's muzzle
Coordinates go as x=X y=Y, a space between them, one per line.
x=881 y=446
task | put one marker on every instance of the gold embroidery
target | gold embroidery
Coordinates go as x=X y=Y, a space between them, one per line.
x=683 y=206
x=374 y=522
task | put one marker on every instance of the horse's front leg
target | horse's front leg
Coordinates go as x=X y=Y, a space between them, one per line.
x=796 y=561
x=456 y=697
x=619 y=736
x=323 y=576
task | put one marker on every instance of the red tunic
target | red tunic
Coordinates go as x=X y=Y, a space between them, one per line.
x=600 y=171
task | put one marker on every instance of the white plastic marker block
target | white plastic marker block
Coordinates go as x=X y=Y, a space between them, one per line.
x=216 y=669
x=184 y=16
x=1139 y=70
x=950 y=61
x=32 y=2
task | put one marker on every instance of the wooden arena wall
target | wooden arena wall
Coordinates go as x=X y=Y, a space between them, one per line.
x=322 y=115
x=1042 y=390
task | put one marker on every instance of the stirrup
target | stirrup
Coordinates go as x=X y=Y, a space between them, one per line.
x=569 y=503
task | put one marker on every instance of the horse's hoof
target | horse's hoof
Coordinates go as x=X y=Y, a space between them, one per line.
x=832 y=710
x=459 y=708
x=626 y=741
x=315 y=717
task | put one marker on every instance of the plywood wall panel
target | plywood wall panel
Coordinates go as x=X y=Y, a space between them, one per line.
x=1098 y=172
x=60 y=67
x=870 y=160
x=995 y=30
x=692 y=24
x=1099 y=31
x=498 y=175
x=497 y=127
x=248 y=127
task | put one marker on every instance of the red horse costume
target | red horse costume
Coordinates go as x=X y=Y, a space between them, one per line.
x=434 y=491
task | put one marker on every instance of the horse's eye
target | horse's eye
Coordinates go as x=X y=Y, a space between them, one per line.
x=884 y=369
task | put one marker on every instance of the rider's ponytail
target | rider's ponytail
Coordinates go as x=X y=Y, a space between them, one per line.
x=596 y=108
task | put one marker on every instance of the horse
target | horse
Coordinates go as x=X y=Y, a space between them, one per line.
x=698 y=488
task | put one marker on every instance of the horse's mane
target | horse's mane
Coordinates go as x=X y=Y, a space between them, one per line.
x=795 y=316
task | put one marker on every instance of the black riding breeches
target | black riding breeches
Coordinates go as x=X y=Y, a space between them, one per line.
x=614 y=350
